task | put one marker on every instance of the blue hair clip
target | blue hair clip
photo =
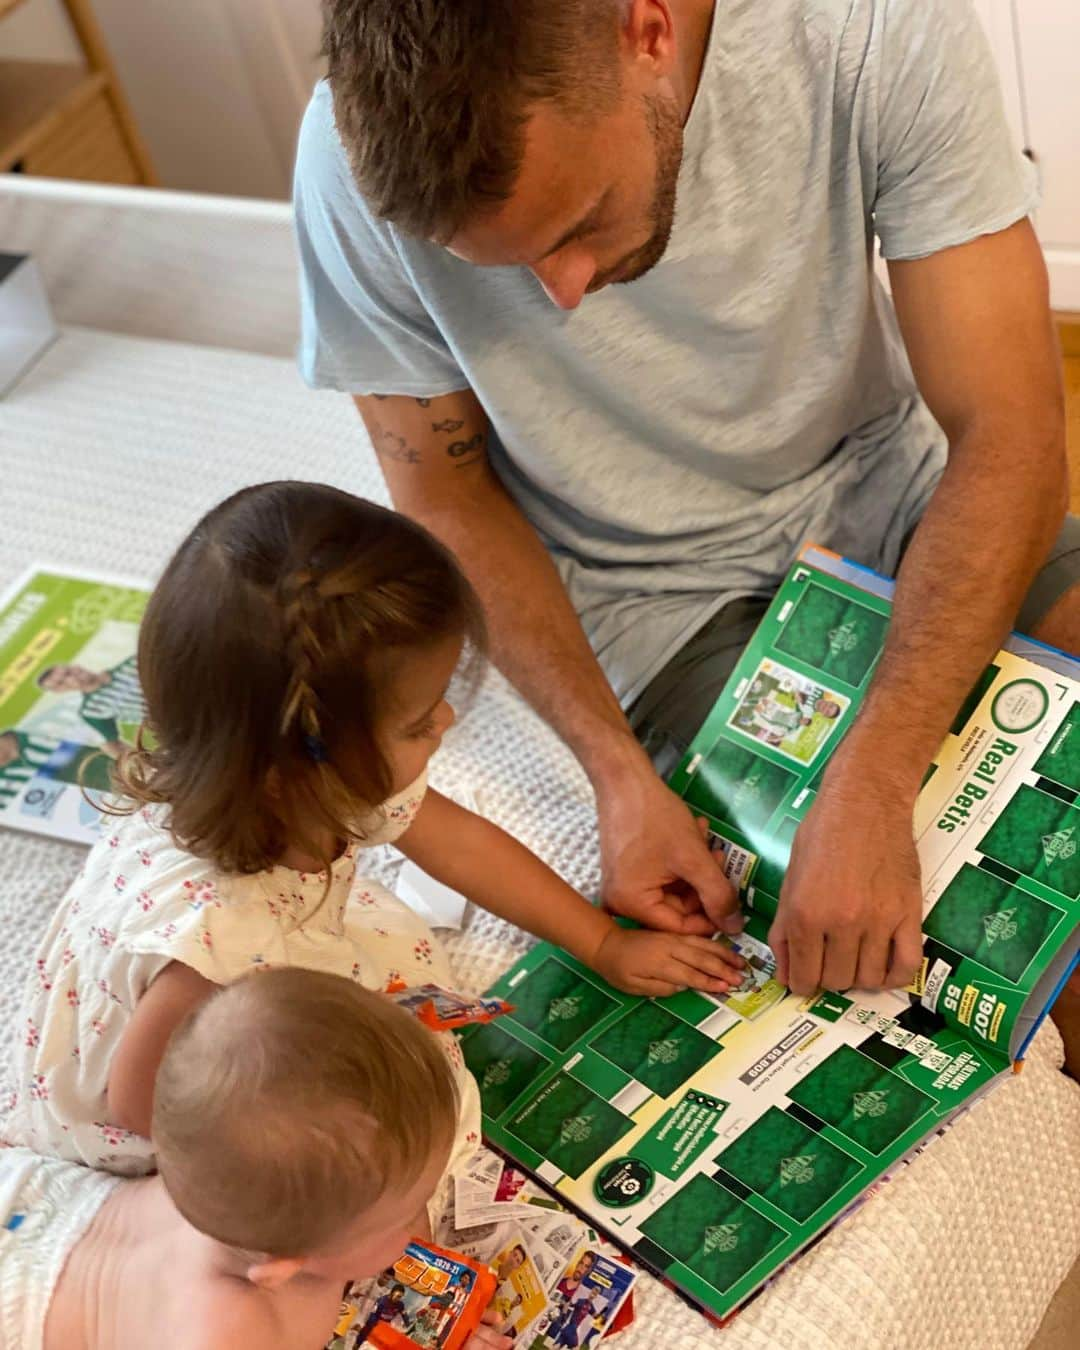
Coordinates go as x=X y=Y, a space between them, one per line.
x=316 y=749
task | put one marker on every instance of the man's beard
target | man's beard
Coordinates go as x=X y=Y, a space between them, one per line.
x=666 y=130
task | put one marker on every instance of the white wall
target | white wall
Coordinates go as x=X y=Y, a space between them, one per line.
x=217 y=86
x=1048 y=38
x=38 y=31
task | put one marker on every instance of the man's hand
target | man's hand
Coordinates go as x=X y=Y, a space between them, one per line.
x=657 y=868
x=657 y=965
x=851 y=906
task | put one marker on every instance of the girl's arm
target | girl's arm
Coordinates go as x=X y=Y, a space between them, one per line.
x=175 y=993
x=475 y=857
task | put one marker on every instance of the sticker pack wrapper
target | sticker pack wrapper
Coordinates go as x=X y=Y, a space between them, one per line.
x=444 y=1010
x=430 y=1299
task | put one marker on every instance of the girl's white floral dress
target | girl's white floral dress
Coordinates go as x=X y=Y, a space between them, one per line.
x=139 y=904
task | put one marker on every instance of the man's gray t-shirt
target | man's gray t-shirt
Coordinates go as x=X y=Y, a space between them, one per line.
x=676 y=440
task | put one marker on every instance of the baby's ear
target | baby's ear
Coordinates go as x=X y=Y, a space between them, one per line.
x=274 y=1271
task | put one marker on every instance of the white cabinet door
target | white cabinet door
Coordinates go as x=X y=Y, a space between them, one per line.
x=218 y=86
x=1048 y=38
x=997 y=19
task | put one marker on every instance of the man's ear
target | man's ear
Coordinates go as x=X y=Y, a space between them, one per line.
x=274 y=1272
x=648 y=30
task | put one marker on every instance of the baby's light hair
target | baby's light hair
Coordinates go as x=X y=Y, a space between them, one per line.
x=291 y=1102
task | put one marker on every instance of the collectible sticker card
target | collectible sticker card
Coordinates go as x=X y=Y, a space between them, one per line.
x=585 y=1301
x=790 y=712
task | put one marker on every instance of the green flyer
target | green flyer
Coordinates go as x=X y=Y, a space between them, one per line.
x=69 y=697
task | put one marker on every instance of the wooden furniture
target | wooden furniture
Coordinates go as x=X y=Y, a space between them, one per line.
x=62 y=120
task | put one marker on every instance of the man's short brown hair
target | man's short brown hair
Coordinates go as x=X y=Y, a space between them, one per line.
x=431 y=97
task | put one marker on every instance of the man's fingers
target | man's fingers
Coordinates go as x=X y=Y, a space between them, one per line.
x=698 y=924
x=841 y=960
x=806 y=950
x=778 y=943
x=906 y=955
x=735 y=921
x=873 y=961
x=716 y=893
x=666 y=913
x=652 y=911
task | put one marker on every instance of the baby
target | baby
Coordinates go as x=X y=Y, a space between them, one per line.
x=303 y=1128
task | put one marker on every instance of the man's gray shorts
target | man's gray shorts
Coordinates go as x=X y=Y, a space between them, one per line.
x=668 y=714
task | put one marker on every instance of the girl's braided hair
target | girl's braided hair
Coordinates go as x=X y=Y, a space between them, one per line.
x=268 y=654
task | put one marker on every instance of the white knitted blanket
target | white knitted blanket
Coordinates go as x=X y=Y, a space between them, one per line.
x=109 y=450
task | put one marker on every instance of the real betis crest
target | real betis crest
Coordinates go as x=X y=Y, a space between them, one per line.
x=870 y=1103
x=799 y=1169
x=496 y=1073
x=663 y=1052
x=1059 y=846
x=575 y=1129
x=1000 y=927
x=843 y=638
x=721 y=1237
x=564 y=1009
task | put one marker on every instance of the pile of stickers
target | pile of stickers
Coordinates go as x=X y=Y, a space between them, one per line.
x=559 y=1284
x=504 y=1244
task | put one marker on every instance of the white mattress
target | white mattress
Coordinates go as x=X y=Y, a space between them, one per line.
x=109 y=450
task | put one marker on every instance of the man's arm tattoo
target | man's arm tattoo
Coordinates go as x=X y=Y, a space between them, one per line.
x=389 y=445
x=450 y=425
x=465 y=452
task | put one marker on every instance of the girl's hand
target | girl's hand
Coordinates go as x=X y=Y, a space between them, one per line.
x=641 y=961
x=486 y=1337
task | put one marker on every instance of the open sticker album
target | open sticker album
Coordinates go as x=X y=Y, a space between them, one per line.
x=715 y=1137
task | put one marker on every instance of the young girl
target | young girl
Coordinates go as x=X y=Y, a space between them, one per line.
x=292 y=1161
x=295 y=658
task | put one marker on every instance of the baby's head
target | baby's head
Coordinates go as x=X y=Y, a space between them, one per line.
x=295 y=658
x=304 y=1122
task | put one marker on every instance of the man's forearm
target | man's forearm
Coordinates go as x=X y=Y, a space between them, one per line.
x=984 y=535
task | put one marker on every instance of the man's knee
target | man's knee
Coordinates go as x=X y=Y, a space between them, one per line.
x=1060 y=626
